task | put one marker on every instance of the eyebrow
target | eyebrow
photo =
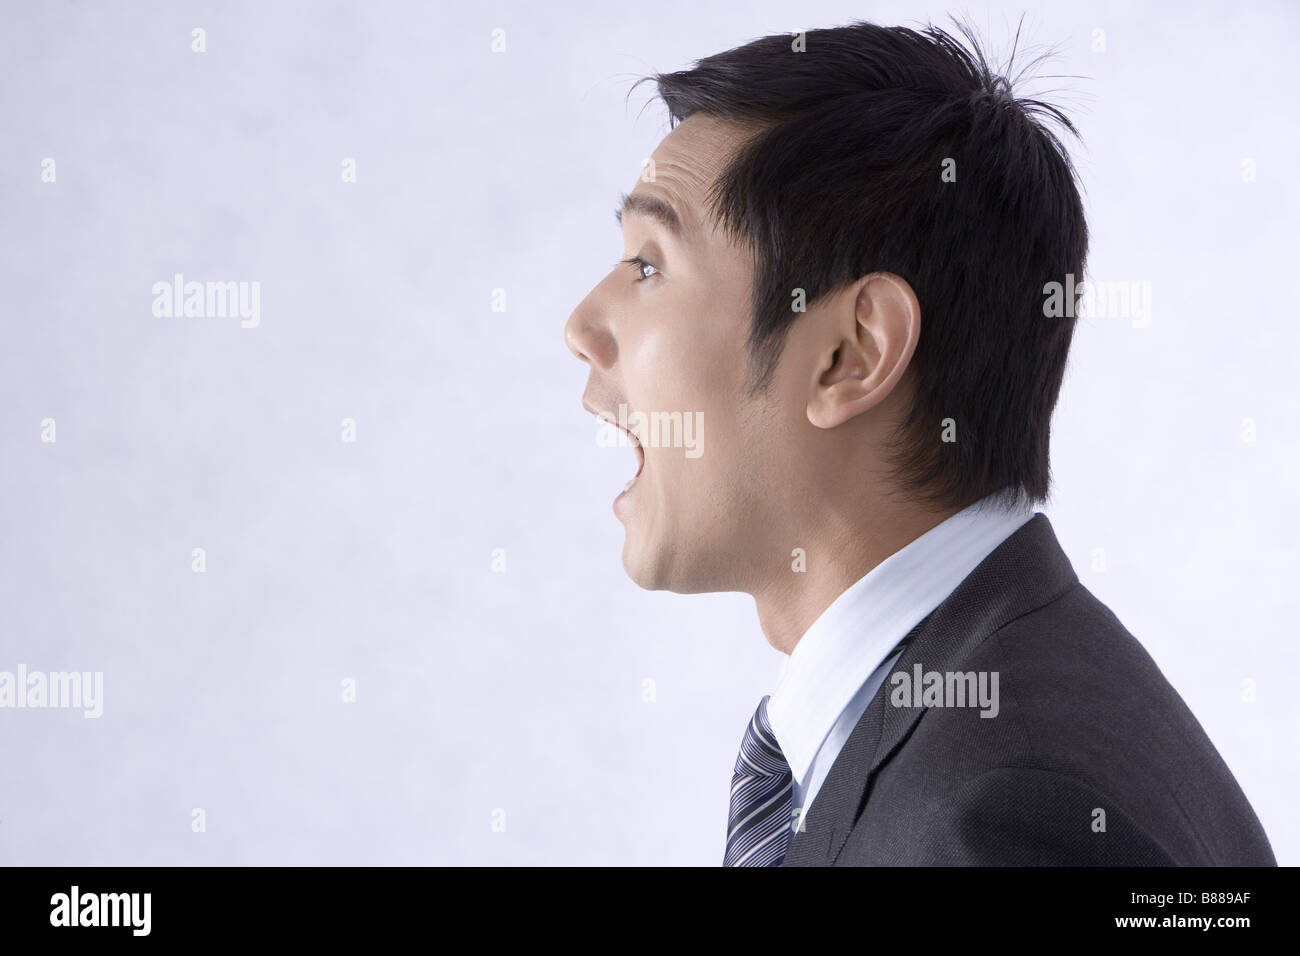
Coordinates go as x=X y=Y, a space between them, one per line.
x=652 y=207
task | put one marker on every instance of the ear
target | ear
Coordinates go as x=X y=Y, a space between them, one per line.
x=870 y=346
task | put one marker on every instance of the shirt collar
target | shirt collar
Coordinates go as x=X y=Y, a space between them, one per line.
x=855 y=634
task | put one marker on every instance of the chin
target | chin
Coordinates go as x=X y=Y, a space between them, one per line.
x=652 y=570
x=655 y=566
x=642 y=569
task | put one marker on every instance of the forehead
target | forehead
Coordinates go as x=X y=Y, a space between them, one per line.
x=686 y=163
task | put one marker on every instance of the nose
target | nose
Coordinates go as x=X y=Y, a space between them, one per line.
x=587 y=334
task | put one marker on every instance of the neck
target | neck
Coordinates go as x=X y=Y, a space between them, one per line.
x=836 y=555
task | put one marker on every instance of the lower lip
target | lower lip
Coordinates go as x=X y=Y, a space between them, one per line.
x=623 y=496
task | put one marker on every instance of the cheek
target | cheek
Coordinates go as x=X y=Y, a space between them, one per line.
x=687 y=353
x=688 y=357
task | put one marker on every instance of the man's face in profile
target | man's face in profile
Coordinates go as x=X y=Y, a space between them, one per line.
x=667 y=333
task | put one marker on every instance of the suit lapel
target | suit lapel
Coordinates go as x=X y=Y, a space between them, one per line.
x=1023 y=573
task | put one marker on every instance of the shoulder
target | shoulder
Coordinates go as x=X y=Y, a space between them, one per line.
x=1078 y=750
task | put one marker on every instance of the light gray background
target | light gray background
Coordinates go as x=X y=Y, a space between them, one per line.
x=523 y=691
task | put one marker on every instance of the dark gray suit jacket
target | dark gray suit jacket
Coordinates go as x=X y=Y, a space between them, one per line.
x=1092 y=760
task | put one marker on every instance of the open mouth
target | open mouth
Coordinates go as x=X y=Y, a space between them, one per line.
x=631 y=437
x=640 y=457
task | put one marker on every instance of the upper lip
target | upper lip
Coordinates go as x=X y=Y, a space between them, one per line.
x=613 y=420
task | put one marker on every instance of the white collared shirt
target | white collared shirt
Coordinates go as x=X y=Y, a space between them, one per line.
x=831 y=676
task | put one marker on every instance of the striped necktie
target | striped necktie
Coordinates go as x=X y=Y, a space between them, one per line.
x=758 y=826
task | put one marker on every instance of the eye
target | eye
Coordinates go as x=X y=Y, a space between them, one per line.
x=641 y=267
